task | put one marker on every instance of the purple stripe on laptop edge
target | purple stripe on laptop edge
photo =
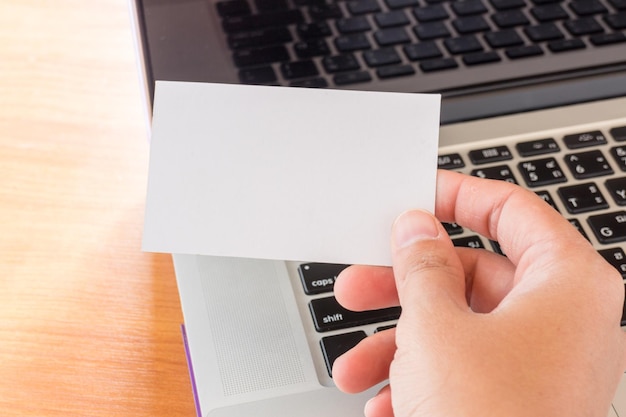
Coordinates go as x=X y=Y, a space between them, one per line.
x=191 y=374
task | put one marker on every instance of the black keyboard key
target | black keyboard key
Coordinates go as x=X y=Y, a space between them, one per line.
x=335 y=346
x=588 y=164
x=271 y=5
x=317 y=82
x=479 y=58
x=585 y=139
x=581 y=198
x=463 y=45
x=504 y=38
x=619 y=155
x=399 y=4
x=579 y=227
x=537 y=147
x=383 y=328
x=496 y=247
x=431 y=30
x=259 y=21
x=617 y=258
x=349 y=43
x=548 y=12
x=313 y=30
x=616 y=21
x=473 y=242
x=363 y=6
x=328 y=315
x=619 y=133
x=544 y=32
x=453 y=229
x=378 y=57
x=564 y=45
x=541 y=172
x=607 y=38
x=587 y=7
x=500 y=172
x=524 y=51
x=508 y=4
x=393 y=71
x=430 y=13
x=470 y=24
x=450 y=161
x=392 y=36
x=319 y=278
x=311 y=48
x=618 y=4
x=233 y=8
x=260 y=56
x=583 y=26
x=510 y=18
x=353 y=25
x=325 y=11
x=617 y=189
x=488 y=155
x=422 y=50
x=355 y=77
x=547 y=197
x=609 y=227
x=257 y=75
x=340 y=63
x=391 y=19
x=431 y=65
x=256 y=38
x=468 y=7
x=298 y=69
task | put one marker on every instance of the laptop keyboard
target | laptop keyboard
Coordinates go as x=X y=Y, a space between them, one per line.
x=581 y=174
x=320 y=43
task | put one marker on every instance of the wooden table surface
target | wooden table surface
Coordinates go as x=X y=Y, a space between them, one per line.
x=89 y=325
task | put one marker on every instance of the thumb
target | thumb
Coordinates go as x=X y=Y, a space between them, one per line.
x=428 y=272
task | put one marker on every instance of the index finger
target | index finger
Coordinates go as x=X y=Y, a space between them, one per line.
x=515 y=217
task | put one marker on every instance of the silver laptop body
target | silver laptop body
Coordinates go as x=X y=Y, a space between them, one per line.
x=252 y=338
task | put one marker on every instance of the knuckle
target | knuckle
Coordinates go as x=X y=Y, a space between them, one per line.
x=420 y=262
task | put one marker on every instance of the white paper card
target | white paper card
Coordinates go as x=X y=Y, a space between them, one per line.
x=286 y=173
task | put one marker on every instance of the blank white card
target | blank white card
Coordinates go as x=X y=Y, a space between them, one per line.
x=286 y=173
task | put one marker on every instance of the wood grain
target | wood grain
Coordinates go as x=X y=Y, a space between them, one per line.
x=89 y=325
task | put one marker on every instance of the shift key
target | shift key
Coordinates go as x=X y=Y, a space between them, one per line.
x=329 y=315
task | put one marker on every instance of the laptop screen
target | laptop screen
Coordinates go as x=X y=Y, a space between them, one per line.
x=486 y=57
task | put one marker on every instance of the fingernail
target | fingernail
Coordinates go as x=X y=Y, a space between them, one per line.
x=412 y=226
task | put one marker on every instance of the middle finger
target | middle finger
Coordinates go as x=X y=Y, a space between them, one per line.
x=488 y=276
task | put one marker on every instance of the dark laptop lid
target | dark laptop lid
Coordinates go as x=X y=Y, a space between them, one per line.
x=183 y=40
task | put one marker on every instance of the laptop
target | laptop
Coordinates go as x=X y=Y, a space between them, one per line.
x=548 y=113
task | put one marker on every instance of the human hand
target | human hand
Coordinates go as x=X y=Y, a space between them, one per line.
x=535 y=333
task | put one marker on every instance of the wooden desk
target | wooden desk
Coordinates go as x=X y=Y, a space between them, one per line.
x=89 y=325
